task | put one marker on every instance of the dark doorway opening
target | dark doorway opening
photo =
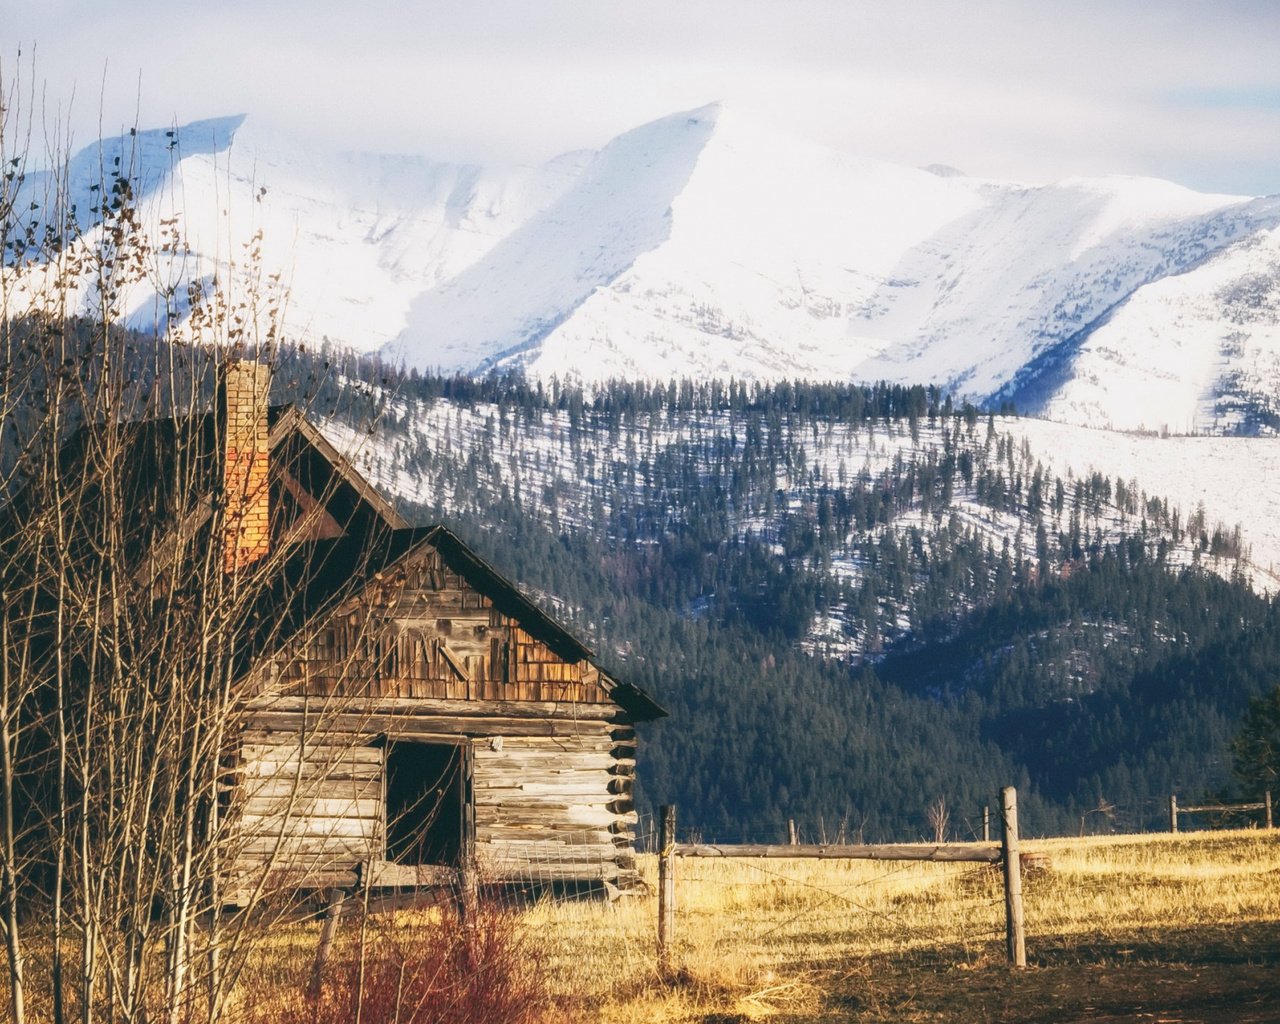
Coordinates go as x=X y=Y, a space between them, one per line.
x=424 y=803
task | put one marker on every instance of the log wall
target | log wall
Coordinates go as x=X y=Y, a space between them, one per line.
x=304 y=814
x=554 y=808
x=552 y=793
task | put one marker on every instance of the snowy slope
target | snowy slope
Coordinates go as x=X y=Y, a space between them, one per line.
x=1037 y=267
x=1236 y=480
x=355 y=237
x=704 y=243
x=760 y=248
x=1198 y=351
x=787 y=260
x=616 y=210
x=1228 y=482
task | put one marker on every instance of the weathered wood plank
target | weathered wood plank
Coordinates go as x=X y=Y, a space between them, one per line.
x=296 y=849
x=506 y=858
x=529 y=804
x=469 y=725
x=454 y=661
x=354 y=751
x=585 y=815
x=944 y=852
x=273 y=788
x=584 y=790
x=302 y=876
x=261 y=826
x=240 y=888
x=276 y=770
x=581 y=754
x=387 y=873
x=549 y=831
x=519 y=766
x=513 y=872
x=1221 y=808
x=555 y=846
x=267 y=735
x=588 y=742
x=256 y=806
x=313 y=858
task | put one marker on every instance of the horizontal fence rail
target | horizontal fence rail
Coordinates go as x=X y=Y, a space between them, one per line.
x=1264 y=806
x=1006 y=854
x=840 y=851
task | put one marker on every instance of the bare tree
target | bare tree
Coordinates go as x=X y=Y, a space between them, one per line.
x=939 y=818
x=133 y=595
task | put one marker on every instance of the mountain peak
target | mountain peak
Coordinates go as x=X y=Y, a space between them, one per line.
x=712 y=242
x=211 y=135
x=709 y=113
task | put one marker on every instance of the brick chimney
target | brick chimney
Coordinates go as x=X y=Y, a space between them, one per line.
x=245 y=466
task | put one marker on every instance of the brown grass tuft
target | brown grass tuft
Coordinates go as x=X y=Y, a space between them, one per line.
x=487 y=973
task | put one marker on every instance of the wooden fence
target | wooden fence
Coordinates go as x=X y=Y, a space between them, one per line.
x=1006 y=854
x=1264 y=806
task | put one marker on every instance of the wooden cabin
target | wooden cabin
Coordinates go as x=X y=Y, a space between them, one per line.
x=412 y=709
x=432 y=712
x=401 y=709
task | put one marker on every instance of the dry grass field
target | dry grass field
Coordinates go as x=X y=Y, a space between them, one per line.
x=1177 y=928
x=1158 y=928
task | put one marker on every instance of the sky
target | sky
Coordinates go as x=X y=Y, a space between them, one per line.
x=1029 y=90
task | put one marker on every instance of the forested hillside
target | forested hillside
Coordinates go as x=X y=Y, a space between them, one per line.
x=857 y=603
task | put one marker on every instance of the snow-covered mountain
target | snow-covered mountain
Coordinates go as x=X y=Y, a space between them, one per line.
x=707 y=244
x=356 y=237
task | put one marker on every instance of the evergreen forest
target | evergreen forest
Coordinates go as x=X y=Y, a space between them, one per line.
x=866 y=608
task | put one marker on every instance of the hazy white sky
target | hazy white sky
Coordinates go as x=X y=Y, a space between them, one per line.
x=1030 y=89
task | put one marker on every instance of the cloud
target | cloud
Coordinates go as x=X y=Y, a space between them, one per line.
x=1000 y=87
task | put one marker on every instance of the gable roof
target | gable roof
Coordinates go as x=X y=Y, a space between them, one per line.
x=353 y=565
x=289 y=420
x=314 y=574
x=318 y=576
x=508 y=599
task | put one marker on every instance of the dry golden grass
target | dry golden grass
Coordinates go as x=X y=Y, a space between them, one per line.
x=1116 y=926
x=780 y=938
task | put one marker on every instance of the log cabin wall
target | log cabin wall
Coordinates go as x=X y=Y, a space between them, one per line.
x=421 y=656
x=305 y=814
x=552 y=795
x=551 y=810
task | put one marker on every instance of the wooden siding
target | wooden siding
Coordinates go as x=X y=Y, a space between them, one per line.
x=305 y=813
x=421 y=631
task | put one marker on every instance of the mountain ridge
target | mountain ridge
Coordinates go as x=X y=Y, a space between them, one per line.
x=706 y=244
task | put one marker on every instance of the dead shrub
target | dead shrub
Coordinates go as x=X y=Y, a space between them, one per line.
x=487 y=973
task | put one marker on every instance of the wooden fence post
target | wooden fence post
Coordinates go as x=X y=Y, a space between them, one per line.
x=666 y=888
x=793 y=838
x=986 y=823
x=1173 y=813
x=327 y=931
x=1266 y=806
x=468 y=875
x=1015 y=935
